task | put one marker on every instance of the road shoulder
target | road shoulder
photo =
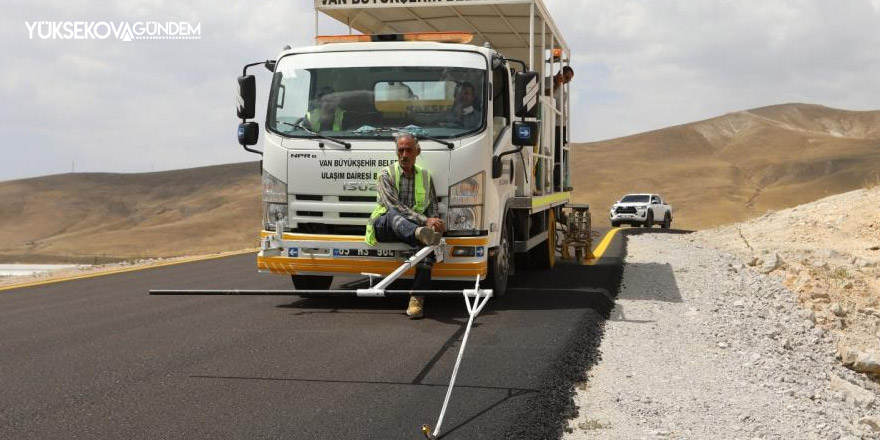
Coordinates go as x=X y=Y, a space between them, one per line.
x=700 y=346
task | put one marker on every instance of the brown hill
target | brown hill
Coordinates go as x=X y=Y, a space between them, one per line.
x=717 y=171
x=736 y=166
x=97 y=217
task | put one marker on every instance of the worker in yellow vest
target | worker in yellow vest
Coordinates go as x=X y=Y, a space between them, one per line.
x=326 y=115
x=406 y=210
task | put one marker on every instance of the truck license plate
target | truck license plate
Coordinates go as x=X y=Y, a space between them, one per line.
x=380 y=253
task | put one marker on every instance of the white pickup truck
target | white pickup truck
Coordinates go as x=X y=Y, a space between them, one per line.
x=641 y=210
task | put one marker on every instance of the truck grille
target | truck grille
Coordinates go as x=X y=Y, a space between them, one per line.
x=331 y=214
x=321 y=228
x=626 y=210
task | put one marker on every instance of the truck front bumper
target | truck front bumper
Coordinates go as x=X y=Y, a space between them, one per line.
x=314 y=254
x=638 y=217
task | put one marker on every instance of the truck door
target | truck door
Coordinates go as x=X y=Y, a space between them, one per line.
x=656 y=207
x=500 y=101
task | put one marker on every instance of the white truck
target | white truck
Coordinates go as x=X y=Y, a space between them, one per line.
x=641 y=210
x=502 y=177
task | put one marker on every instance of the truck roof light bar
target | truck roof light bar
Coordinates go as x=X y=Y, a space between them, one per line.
x=439 y=37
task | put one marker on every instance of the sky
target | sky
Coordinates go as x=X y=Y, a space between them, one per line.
x=104 y=105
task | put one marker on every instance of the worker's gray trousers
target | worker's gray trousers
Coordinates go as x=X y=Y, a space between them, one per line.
x=392 y=227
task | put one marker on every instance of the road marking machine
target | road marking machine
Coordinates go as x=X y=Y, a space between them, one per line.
x=501 y=171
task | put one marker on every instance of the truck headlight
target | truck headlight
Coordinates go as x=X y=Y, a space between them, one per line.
x=466 y=199
x=465 y=218
x=274 y=201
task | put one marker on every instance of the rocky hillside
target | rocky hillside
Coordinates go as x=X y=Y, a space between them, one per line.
x=737 y=166
x=827 y=253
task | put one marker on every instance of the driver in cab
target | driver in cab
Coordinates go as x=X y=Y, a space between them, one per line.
x=465 y=111
x=327 y=115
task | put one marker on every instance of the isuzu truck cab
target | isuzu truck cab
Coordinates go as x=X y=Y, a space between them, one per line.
x=498 y=157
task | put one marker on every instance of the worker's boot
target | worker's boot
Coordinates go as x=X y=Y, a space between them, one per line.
x=427 y=236
x=416 y=307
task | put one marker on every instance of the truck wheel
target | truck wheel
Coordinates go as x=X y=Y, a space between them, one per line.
x=649 y=221
x=499 y=265
x=614 y=224
x=667 y=221
x=544 y=254
x=311 y=282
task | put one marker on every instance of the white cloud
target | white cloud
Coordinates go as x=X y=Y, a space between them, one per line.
x=641 y=65
x=134 y=106
x=651 y=64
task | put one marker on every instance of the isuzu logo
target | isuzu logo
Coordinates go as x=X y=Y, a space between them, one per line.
x=358 y=186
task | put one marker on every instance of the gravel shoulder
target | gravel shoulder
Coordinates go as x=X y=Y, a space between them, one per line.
x=702 y=346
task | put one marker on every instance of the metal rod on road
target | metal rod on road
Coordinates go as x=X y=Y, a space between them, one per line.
x=379 y=289
x=473 y=310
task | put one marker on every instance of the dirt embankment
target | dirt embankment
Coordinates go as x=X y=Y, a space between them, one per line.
x=828 y=253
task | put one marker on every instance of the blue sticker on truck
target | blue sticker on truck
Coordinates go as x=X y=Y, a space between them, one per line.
x=293 y=252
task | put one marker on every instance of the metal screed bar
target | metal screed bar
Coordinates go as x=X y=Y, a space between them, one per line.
x=243 y=292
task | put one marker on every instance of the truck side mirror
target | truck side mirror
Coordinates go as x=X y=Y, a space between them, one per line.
x=525 y=98
x=247 y=96
x=248 y=132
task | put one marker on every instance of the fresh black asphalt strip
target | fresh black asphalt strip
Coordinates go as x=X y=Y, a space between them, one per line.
x=100 y=358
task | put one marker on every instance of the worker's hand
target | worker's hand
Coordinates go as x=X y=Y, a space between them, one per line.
x=437 y=224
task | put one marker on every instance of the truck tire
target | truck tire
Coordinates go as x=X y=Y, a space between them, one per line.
x=667 y=221
x=543 y=256
x=615 y=224
x=311 y=282
x=649 y=221
x=500 y=264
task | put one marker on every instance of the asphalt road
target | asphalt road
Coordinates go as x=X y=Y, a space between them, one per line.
x=100 y=358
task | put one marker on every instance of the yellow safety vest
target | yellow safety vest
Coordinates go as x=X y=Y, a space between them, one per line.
x=314 y=118
x=423 y=179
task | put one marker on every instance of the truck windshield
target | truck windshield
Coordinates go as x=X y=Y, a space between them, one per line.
x=632 y=198
x=369 y=94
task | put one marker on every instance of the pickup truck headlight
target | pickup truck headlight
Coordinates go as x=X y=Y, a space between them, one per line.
x=274 y=201
x=466 y=199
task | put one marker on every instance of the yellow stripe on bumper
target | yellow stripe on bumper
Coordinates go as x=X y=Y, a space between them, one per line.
x=357 y=266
